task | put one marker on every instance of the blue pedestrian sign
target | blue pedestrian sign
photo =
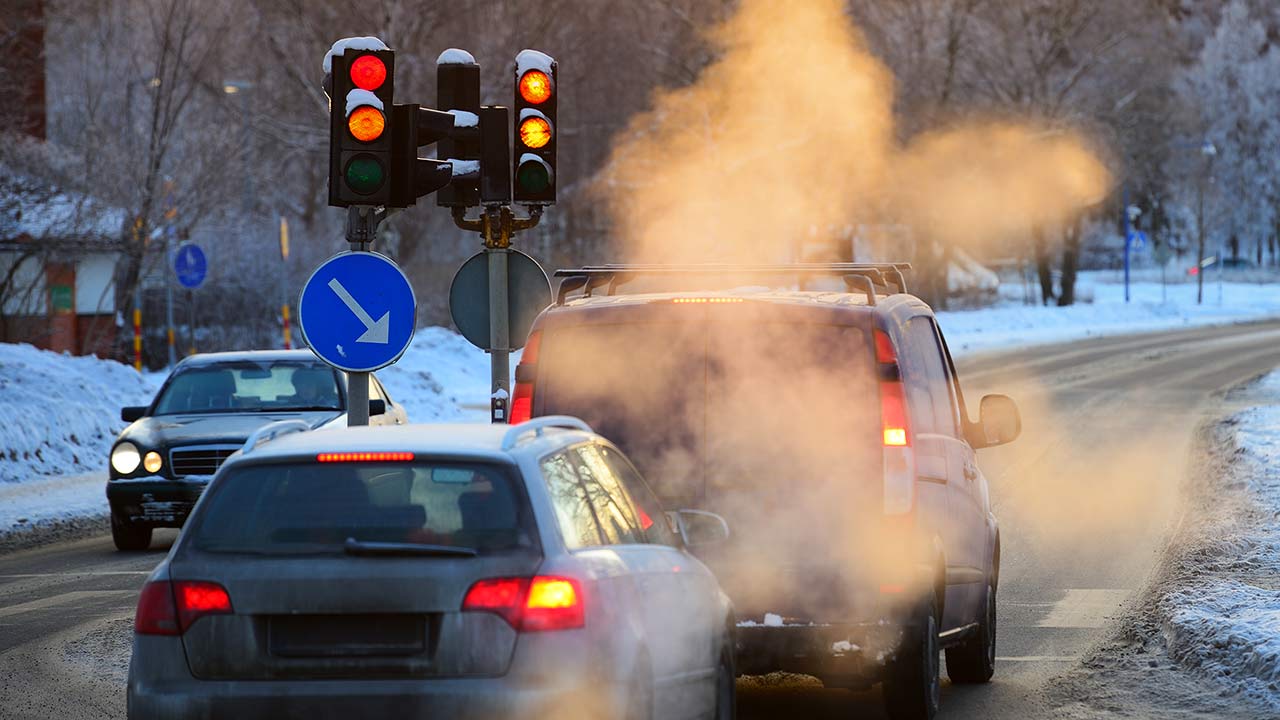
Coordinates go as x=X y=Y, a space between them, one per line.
x=1137 y=240
x=190 y=266
x=358 y=312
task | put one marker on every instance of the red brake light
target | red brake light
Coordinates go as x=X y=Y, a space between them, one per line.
x=156 y=614
x=893 y=414
x=364 y=457
x=522 y=395
x=530 y=604
x=885 y=352
x=554 y=603
x=197 y=599
x=169 y=608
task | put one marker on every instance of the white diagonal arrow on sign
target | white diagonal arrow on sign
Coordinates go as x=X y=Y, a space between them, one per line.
x=375 y=332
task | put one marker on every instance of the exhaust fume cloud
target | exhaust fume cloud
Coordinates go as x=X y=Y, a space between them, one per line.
x=791 y=131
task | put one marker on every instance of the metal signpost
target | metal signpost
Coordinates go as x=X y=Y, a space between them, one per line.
x=358 y=313
x=191 y=267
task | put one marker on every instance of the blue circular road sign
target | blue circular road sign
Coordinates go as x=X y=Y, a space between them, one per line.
x=358 y=312
x=190 y=265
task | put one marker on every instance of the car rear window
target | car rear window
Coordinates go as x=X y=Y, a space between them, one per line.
x=308 y=507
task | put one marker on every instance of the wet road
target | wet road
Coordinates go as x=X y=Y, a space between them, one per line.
x=1085 y=499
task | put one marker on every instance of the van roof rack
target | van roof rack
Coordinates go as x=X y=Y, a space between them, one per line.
x=863 y=277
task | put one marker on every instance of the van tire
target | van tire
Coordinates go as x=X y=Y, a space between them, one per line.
x=913 y=683
x=128 y=536
x=973 y=662
x=726 y=686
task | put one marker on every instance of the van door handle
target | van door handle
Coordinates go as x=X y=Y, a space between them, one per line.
x=970 y=472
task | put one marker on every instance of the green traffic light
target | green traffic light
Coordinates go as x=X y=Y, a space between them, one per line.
x=365 y=174
x=534 y=177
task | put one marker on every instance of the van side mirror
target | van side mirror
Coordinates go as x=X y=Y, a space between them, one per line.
x=377 y=407
x=698 y=527
x=133 y=412
x=998 y=422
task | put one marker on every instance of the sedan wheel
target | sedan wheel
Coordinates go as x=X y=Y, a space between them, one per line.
x=726 y=687
x=128 y=536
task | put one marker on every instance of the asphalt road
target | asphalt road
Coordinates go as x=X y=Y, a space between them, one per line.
x=1085 y=499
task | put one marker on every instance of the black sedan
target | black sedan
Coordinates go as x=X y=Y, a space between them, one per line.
x=206 y=409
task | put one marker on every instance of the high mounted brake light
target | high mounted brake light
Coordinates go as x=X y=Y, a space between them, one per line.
x=536 y=604
x=346 y=457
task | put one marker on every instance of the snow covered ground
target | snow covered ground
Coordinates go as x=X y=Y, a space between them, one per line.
x=1224 y=620
x=1103 y=311
x=59 y=414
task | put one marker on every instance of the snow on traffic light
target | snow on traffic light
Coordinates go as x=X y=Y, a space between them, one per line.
x=360 y=81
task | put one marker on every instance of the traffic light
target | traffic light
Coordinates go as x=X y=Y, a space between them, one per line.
x=360 y=81
x=458 y=91
x=535 y=129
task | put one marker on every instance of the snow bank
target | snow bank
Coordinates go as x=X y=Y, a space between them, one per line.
x=60 y=413
x=1012 y=324
x=1225 y=622
x=441 y=377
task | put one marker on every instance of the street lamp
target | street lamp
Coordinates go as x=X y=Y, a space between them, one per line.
x=240 y=87
x=1209 y=151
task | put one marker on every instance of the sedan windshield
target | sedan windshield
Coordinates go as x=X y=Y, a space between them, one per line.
x=250 y=387
x=365 y=508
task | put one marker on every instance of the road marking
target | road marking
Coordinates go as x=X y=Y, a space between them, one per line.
x=62 y=599
x=1091 y=608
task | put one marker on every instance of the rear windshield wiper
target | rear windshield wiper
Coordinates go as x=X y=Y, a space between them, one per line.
x=362 y=547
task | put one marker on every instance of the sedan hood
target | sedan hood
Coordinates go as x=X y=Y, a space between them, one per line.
x=167 y=430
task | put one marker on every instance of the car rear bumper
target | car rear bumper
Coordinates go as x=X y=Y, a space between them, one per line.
x=161 y=688
x=459 y=698
x=159 y=502
x=849 y=653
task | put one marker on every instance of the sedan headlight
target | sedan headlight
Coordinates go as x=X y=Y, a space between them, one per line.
x=125 y=458
x=151 y=461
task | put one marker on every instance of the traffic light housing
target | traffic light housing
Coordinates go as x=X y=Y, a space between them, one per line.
x=360 y=83
x=534 y=155
x=458 y=92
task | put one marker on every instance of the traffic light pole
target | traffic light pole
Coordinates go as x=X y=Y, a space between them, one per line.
x=362 y=230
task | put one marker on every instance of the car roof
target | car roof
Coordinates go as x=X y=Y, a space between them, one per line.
x=896 y=305
x=457 y=440
x=249 y=356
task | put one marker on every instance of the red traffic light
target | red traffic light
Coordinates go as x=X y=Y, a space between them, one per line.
x=535 y=87
x=368 y=72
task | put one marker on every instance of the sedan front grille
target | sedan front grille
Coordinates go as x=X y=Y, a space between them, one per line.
x=199 y=460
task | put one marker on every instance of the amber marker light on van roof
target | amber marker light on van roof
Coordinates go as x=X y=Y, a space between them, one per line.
x=707 y=301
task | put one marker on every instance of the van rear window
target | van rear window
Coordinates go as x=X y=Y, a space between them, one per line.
x=306 y=507
x=706 y=409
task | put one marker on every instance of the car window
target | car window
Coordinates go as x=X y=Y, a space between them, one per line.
x=569 y=498
x=929 y=389
x=250 y=387
x=649 y=512
x=310 y=507
x=613 y=507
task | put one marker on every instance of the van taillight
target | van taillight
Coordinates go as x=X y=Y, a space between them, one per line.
x=534 y=604
x=169 y=608
x=522 y=395
x=895 y=431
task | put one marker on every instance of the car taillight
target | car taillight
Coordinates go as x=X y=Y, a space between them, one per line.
x=169 y=608
x=534 y=604
x=522 y=395
x=895 y=431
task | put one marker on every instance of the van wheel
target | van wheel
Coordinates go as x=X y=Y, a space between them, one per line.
x=974 y=661
x=912 y=683
x=726 y=686
x=129 y=536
